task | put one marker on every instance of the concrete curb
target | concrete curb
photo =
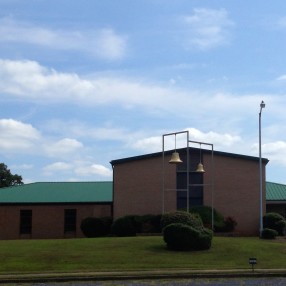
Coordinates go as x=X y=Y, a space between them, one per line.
x=139 y=275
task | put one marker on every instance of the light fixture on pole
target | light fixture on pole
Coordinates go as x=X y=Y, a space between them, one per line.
x=200 y=167
x=175 y=158
x=262 y=105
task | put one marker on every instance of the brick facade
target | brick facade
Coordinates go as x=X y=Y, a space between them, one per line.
x=138 y=187
x=47 y=219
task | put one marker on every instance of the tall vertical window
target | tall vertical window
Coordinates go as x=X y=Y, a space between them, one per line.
x=25 y=221
x=195 y=190
x=70 y=220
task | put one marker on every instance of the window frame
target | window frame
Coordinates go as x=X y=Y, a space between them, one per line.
x=70 y=220
x=26 y=221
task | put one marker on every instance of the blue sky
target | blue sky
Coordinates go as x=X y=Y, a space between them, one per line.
x=85 y=82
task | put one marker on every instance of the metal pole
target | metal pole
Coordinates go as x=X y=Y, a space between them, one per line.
x=262 y=105
x=163 y=163
x=163 y=176
x=212 y=182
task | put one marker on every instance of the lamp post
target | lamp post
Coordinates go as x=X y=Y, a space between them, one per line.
x=262 y=105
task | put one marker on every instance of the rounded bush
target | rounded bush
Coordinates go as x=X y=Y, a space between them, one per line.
x=183 y=218
x=126 y=226
x=204 y=240
x=275 y=221
x=180 y=236
x=268 y=233
x=95 y=227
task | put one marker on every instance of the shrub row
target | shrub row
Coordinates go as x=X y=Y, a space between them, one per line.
x=96 y=227
x=128 y=225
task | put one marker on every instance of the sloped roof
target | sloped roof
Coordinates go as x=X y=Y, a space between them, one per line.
x=207 y=151
x=58 y=192
x=275 y=192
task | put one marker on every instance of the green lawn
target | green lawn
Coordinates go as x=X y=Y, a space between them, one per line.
x=133 y=253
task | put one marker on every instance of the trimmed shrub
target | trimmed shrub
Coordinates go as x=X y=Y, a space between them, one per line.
x=126 y=226
x=96 y=227
x=180 y=236
x=204 y=240
x=268 y=233
x=275 y=221
x=205 y=212
x=183 y=218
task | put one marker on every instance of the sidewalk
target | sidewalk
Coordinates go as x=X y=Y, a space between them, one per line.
x=135 y=275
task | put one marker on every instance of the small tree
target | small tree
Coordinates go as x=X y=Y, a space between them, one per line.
x=7 y=179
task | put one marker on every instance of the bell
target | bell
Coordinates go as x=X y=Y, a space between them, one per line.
x=200 y=168
x=175 y=159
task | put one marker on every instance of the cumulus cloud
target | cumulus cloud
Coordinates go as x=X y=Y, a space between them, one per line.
x=154 y=144
x=93 y=169
x=78 y=170
x=31 y=81
x=275 y=151
x=16 y=136
x=207 y=28
x=56 y=167
x=102 y=43
x=62 y=148
x=28 y=79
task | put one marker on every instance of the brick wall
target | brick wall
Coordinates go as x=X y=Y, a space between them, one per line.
x=47 y=220
x=236 y=190
x=138 y=188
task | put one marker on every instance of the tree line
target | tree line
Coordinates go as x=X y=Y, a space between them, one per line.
x=8 y=179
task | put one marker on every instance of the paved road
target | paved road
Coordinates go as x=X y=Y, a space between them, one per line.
x=170 y=282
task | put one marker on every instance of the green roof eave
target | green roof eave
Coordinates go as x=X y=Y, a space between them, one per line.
x=58 y=192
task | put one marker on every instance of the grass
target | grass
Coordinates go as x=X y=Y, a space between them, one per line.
x=134 y=253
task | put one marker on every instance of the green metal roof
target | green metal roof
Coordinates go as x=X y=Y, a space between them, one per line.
x=58 y=192
x=87 y=192
x=275 y=192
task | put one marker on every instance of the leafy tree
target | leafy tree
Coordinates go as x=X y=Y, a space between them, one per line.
x=7 y=179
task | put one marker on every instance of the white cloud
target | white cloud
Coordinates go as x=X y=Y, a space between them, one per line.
x=207 y=28
x=110 y=45
x=94 y=169
x=57 y=167
x=275 y=151
x=16 y=136
x=154 y=144
x=62 y=148
x=29 y=80
x=102 y=43
x=78 y=170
